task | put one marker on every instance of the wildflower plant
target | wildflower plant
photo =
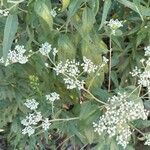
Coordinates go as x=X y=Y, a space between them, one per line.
x=75 y=74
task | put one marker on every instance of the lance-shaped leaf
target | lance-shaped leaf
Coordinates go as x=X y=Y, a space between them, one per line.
x=9 y=33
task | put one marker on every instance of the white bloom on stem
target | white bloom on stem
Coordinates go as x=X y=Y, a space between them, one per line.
x=55 y=51
x=114 y=25
x=45 y=49
x=45 y=124
x=147 y=51
x=144 y=79
x=28 y=130
x=4 y=12
x=53 y=12
x=52 y=97
x=105 y=60
x=32 y=119
x=88 y=65
x=147 y=142
x=72 y=83
x=31 y=104
x=135 y=72
x=120 y=112
x=16 y=55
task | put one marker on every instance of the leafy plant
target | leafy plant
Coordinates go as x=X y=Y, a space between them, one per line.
x=79 y=54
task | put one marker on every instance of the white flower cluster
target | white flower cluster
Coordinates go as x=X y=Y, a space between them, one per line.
x=4 y=12
x=144 y=79
x=31 y=104
x=88 y=65
x=71 y=71
x=114 y=25
x=120 y=112
x=33 y=119
x=147 y=51
x=52 y=97
x=147 y=142
x=135 y=72
x=16 y=55
x=45 y=124
x=143 y=76
x=47 y=48
x=53 y=12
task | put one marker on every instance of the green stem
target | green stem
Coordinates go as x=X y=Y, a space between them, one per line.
x=110 y=53
x=94 y=97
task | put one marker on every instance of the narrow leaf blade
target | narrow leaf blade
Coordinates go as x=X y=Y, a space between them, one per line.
x=9 y=33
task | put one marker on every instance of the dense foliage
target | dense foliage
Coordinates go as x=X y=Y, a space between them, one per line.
x=74 y=74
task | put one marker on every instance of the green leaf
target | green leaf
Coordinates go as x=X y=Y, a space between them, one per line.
x=141 y=10
x=107 y=5
x=9 y=33
x=141 y=123
x=66 y=48
x=87 y=109
x=73 y=7
x=88 y=19
x=43 y=11
x=94 y=5
x=65 y=4
x=114 y=78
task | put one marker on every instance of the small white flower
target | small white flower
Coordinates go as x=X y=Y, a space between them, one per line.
x=120 y=112
x=28 y=130
x=16 y=55
x=4 y=12
x=71 y=83
x=53 y=12
x=147 y=51
x=55 y=51
x=147 y=142
x=136 y=71
x=52 y=97
x=31 y=104
x=45 y=49
x=46 y=65
x=105 y=60
x=32 y=119
x=144 y=79
x=114 y=25
x=45 y=124
x=88 y=66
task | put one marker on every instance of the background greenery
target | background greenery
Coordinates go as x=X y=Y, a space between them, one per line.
x=77 y=30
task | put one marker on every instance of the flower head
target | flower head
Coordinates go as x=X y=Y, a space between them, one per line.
x=4 y=12
x=45 y=124
x=114 y=25
x=52 y=97
x=28 y=130
x=120 y=112
x=147 y=51
x=31 y=104
x=45 y=49
x=16 y=55
x=53 y=12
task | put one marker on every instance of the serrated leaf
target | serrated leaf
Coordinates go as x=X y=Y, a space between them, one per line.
x=9 y=33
